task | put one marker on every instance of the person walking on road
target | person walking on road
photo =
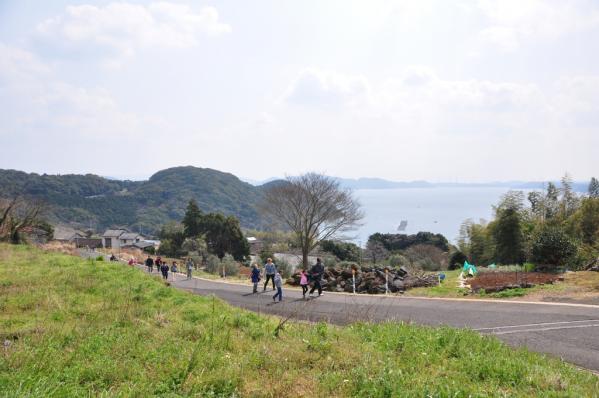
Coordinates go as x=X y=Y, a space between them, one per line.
x=270 y=271
x=158 y=263
x=316 y=273
x=278 y=281
x=149 y=263
x=255 y=277
x=304 y=282
x=189 y=266
x=174 y=269
x=164 y=270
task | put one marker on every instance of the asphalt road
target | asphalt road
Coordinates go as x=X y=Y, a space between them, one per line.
x=568 y=331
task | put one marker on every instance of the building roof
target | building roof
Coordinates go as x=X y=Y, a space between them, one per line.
x=113 y=233
x=129 y=235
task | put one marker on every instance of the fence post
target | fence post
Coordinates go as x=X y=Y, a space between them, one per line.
x=386 y=281
x=353 y=279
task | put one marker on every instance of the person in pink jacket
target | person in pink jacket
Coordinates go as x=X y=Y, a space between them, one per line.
x=304 y=282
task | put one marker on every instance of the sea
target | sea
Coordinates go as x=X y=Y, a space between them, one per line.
x=435 y=209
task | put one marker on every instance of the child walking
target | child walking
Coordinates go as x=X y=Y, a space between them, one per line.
x=279 y=285
x=304 y=282
x=255 y=277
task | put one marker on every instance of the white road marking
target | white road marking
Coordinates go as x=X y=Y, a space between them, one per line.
x=544 y=329
x=536 y=324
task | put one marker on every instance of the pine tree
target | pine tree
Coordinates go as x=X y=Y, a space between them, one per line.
x=192 y=221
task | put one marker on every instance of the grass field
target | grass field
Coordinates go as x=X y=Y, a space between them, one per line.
x=74 y=327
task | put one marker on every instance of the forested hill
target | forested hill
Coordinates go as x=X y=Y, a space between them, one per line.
x=79 y=200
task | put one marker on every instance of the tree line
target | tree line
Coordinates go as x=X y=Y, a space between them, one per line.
x=201 y=232
x=551 y=228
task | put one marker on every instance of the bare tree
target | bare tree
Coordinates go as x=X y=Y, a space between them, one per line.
x=314 y=207
x=18 y=217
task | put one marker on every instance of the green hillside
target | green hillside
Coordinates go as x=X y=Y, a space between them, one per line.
x=74 y=327
x=79 y=200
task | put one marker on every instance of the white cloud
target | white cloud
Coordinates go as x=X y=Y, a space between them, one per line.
x=122 y=28
x=418 y=119
x=32 y=96
x=322 y=88
x=514 y=22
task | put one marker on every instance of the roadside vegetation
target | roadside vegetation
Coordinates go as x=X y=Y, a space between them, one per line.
x=74 y=327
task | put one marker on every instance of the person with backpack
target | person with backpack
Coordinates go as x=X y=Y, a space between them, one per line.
x=270 y=271
x=149 y=263
x=158 y=263
x=164 y=270
x=189 y=266
x=278 y=281
x=255 y=276
x=316 y=273
x=304 y=282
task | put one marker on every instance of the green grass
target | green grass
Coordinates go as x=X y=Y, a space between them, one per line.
x=448 y=288
x=88 y=328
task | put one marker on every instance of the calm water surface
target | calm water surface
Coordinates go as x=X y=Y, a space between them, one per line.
x=439 y=210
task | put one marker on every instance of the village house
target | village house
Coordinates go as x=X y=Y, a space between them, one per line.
x=118 y=238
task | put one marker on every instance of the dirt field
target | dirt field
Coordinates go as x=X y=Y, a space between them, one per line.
x=498 y=281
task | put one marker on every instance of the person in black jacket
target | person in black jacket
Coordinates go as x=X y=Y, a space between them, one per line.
x=149 y=263
x=164 y=269
x=316 y=273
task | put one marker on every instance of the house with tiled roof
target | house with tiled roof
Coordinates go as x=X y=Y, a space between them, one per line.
x=118 y=238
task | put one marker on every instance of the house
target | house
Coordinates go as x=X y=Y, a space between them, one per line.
x=63 y=234
x=118 y=238
x=255 y=244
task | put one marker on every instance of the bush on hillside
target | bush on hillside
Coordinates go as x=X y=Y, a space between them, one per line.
x=397 y=260
x=212 y=264
x=456 y=261
x=553 y=248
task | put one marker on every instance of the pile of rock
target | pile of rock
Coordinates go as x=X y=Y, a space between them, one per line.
x=370 y=280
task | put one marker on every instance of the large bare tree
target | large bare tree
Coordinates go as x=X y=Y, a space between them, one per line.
x=18 y=217
x=314 y=207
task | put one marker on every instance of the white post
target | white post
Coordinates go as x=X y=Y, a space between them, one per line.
x=353 y=277
x=224 y=272
x=386 y=281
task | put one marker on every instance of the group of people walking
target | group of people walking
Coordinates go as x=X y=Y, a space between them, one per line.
x=270 y=274
x=163 y=267
x=314 y=276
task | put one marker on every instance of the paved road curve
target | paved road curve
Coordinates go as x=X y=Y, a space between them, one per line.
x=567 y=331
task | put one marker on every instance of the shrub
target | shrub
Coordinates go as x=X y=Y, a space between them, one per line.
x=230 y=265
x=100 y=258
x=528 y=267
x=456 y=260
x=553 y=247
x=284 y=268
x=329 y=261
x=344 y=251
x=397 y=260
x=215 y=266
x=427 y=257
x=212 y=264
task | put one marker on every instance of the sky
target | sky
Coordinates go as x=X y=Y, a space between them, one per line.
x=464 y=90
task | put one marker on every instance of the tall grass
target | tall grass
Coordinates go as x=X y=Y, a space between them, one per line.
x=80 y=328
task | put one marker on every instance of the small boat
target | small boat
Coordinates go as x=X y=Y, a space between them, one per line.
x=402 y=225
